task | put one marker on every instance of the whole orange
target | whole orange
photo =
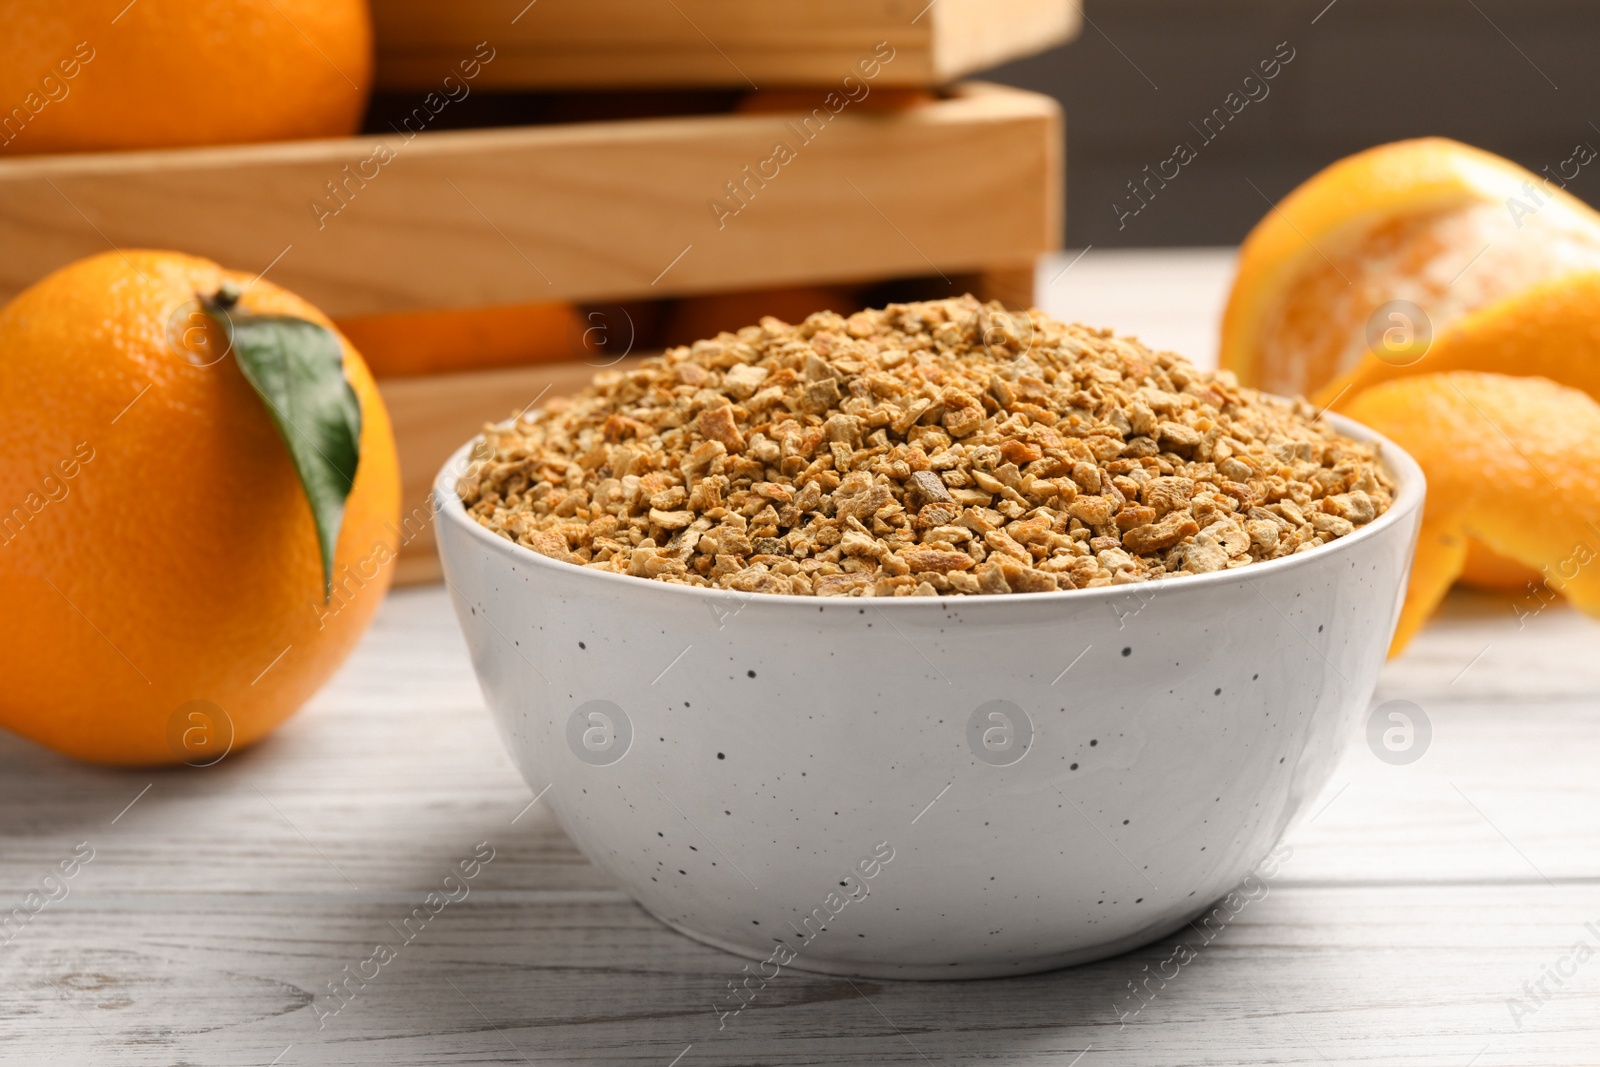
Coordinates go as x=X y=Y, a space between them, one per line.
x=109 y=74
x=161 y=588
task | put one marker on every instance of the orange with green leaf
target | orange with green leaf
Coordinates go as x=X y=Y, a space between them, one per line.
x=198 y=504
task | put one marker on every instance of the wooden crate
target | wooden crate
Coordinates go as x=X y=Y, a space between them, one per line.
x=737 y=43
x=966 y=187
x=587 y=211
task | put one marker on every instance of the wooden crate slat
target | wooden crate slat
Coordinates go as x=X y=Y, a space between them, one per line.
x=733 y=43
x=591 y=211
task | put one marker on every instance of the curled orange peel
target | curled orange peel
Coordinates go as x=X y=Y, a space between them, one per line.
x=1548 y=330
x=1420 y=257
x=1512 y=463
x=1448 y=227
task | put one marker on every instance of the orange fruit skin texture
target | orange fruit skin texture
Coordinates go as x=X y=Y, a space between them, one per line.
x=1486 y=570
x=1536 y=502
x=179 y=560
x=1551 y=330
x=407 y=343
x=170 y=73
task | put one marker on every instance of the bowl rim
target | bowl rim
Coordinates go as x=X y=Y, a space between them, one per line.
x=1410 y=494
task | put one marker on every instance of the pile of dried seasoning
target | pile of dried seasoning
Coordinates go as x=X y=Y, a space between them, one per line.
x=945 y=447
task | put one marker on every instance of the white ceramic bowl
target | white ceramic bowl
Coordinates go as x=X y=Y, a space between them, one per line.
x=930 y=787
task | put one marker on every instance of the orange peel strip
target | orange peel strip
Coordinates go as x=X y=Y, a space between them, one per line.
x=1550 y=330
x=1429 y=221
x=1512 y=463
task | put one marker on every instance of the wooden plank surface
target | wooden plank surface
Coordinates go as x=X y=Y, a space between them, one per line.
x=587 y=211
x=220 y=904
x=1418 y=899
x=610 y=43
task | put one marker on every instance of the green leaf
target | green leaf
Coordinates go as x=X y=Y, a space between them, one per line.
x=297 y=368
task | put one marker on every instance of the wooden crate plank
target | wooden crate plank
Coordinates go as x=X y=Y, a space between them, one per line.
x=592 y=211
x=612 y=43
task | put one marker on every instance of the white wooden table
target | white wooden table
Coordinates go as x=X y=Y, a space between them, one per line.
x=219 y=903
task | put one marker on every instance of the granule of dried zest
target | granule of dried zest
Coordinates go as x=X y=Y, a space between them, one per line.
x=938 y=448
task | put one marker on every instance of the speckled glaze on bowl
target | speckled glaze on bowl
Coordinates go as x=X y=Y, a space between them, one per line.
x=1053 y=777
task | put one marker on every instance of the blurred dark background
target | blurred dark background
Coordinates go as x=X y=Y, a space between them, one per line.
x=1517 y=77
